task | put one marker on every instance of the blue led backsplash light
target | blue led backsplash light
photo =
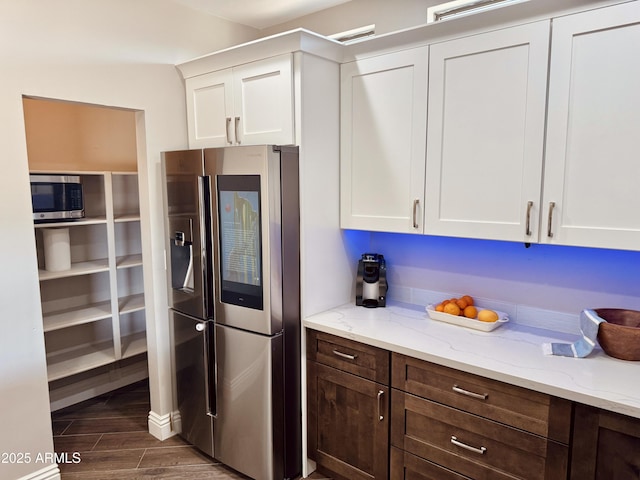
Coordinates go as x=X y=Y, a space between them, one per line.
x=546 y=276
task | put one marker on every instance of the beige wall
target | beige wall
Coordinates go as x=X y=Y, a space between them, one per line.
x=388 y=16
x=108 y=52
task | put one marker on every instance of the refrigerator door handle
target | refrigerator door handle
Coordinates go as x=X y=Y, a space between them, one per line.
x=206 y=250
x=210 y=369
x=206 y=241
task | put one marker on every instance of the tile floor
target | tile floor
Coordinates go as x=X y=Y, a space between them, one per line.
x=106 y=438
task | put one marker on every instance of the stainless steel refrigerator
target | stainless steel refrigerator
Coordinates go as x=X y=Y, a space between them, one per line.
x=232 y=231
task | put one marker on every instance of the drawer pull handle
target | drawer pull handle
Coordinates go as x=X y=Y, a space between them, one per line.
x=458 y=443
x=380 y=416
x=480 y=396
x=527 y=231
x=345 y=355
x=237 y=125
x=228 y=125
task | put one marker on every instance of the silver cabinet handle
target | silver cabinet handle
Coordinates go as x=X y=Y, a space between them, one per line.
x=527 y=231
x=345 y=355
x=237 y=128
x=458 y=443
x=416 y=202
x=228 y=128
x=480 y=396
x=380 y=416
x=551 y=207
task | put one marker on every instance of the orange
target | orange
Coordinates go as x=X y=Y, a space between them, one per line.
x=462 y=303
x=439 y=308
x=468 y=299
x=452 y=308
x=487 y=316
x=470 y=312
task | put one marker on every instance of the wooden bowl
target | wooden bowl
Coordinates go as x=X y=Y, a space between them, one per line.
x=619 y=336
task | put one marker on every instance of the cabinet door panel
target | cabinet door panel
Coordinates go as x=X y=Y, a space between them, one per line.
x=486 y=130
x=383 y=115
x=605 y=445
x=347 y=437
x=209 y=104
x=591 y=165
x=263 y=98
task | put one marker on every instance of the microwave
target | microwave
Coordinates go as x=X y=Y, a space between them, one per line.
x=56 y=197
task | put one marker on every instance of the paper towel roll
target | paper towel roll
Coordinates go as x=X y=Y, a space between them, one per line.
x=57 y=252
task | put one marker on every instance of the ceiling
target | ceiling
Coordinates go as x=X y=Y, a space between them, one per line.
x=260 y=13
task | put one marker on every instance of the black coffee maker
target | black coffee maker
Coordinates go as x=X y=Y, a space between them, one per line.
x=371 y=284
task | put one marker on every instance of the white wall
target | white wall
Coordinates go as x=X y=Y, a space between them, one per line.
x=388 y=16
x=109 y=52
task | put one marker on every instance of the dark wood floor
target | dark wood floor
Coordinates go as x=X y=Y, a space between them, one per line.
x=107 y=438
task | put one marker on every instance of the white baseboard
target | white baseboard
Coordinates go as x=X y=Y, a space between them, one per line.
x=50 y=472
x=160 y=426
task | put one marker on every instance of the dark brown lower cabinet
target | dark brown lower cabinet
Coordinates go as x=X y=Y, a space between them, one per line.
x=438 y=423
x=606 y=445
x=348 y=415
x=405 y=466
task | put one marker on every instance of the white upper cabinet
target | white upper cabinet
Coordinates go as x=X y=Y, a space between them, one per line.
x=592 y=165
x=383 y=126
x=263 y=99
x=210 y=109
x=245 y=105
x=485 y=137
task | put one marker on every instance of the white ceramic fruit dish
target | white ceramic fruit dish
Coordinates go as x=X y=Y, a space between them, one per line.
x=467 y=322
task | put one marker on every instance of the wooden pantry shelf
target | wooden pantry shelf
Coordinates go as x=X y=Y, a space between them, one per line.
x=79 y=359
x=134 y=344
x=127 y=217
x=130 y=304
x=76 y=316
x=72 y=223
x=128 y=261
x=78 y=268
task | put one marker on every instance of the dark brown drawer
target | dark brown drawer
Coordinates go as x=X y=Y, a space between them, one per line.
x=405 y=466
x=472 y=445
x=518 y=407
x=354 y=357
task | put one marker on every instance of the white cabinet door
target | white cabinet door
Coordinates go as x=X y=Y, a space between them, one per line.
x=263 y=99
x=592 y=163
x=485 y=134
x=383 y=125
x=251 y=104
x=210 y=109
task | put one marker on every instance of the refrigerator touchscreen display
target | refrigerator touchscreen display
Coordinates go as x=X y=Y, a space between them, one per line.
x=240 y=240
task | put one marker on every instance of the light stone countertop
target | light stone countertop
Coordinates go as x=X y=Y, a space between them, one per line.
x=511 y=353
